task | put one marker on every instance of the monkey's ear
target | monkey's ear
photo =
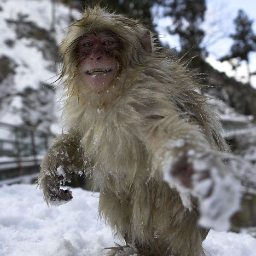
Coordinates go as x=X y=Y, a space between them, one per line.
x=146 y=41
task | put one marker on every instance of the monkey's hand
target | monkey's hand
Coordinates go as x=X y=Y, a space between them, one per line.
x=53 y=194
x=59 y=164
x=52 y=175
x=206 y=177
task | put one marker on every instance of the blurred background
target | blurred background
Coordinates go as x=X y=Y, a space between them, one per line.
x=217 y=38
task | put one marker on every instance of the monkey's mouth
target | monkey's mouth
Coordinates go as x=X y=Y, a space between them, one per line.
x=98 y=71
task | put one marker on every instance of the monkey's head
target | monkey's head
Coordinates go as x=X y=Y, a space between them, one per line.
x=100 y=47
x=99 y=59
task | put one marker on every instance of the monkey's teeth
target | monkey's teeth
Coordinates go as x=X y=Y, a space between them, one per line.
x=98 y=71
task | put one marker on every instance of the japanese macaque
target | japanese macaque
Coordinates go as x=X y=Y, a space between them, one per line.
x=136 y=124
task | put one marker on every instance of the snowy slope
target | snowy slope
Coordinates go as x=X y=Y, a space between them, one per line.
x=28 y=53
x=29 y=227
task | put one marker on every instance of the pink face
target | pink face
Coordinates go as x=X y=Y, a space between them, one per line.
x=98 y=65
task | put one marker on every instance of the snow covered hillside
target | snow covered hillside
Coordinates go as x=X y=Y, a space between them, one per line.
x=29 y=227
x=28 y=55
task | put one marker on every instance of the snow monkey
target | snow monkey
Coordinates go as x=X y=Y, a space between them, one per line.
x=133 y=116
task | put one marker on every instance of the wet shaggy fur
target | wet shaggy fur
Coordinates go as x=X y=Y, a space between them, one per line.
x=114 y=135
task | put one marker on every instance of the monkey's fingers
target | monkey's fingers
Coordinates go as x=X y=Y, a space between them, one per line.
x=65 y=195
x=58 y=196
x=183 y=172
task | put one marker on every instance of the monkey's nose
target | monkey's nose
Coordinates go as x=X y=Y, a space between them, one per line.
x=96 y=55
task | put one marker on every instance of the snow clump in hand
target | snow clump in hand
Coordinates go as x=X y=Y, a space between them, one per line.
x=219 y=194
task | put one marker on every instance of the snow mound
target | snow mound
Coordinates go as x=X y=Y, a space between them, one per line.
x=29 y=227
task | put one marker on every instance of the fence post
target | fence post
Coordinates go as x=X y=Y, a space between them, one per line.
x=33 y=147
x=17 y=143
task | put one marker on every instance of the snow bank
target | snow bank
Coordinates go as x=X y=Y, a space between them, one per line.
x=29 y=227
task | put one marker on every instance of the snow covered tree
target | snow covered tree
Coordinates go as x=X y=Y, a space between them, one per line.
x=7 y=72
x=37 y=107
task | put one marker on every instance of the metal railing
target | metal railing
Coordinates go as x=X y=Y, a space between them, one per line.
x=21 y=150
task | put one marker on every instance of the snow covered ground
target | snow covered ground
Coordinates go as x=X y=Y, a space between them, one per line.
x=28 y=227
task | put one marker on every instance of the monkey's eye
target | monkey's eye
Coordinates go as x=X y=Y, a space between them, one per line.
x=108 y=42
x=87 y=44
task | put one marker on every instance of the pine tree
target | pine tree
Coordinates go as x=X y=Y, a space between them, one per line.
x=187 y=16
x=244 y=41
x=137 y=9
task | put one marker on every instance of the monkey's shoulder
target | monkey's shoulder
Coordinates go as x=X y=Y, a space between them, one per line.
x=151 y=95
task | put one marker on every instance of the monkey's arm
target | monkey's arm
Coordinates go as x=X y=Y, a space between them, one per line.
x=58 y=165
x=190 y=164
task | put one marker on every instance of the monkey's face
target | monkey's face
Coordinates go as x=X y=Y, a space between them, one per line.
x=98 y=59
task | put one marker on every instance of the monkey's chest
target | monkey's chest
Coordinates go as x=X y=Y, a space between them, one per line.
x=116 y=151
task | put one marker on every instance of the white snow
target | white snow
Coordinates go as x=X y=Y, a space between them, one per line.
x=31 y=68
x=29 y=227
